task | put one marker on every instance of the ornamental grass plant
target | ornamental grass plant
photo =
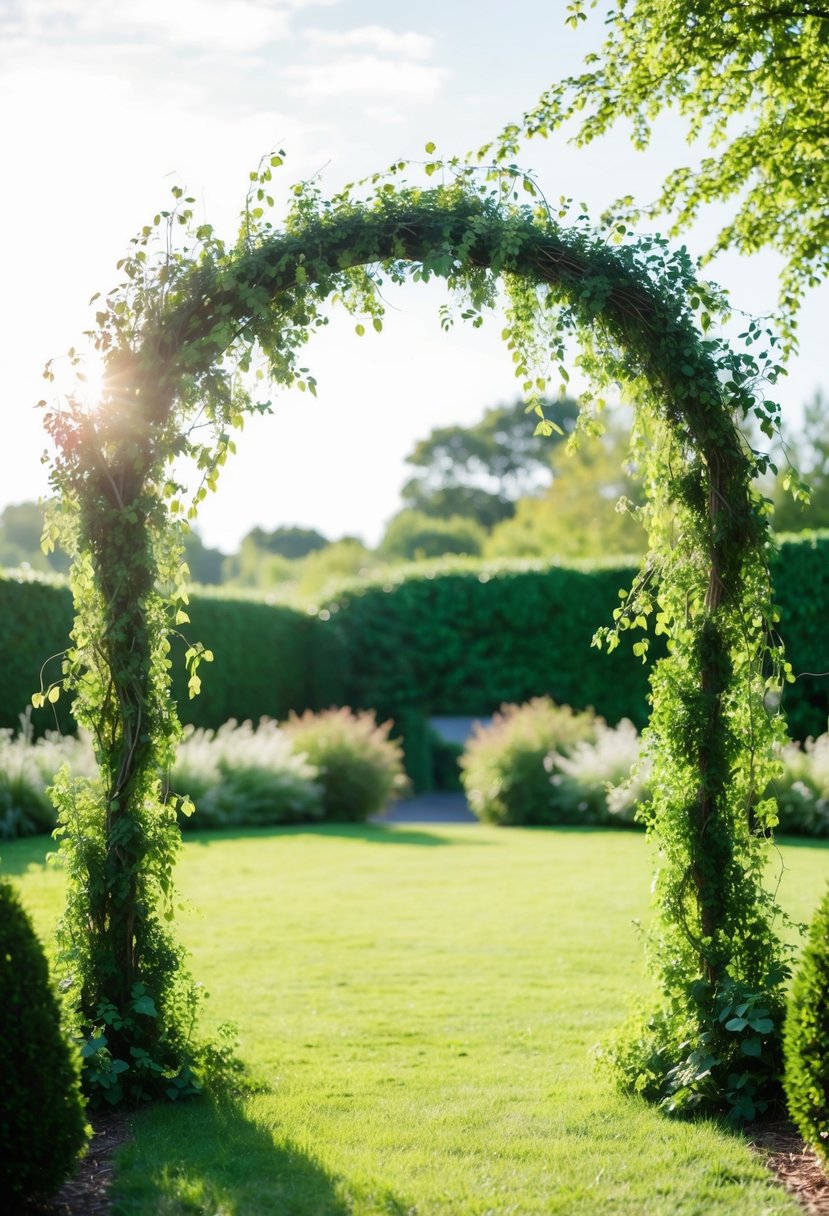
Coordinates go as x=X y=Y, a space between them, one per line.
x=601 y=781
x=504 y=769
x=27 y=769
x=802 y=788
x=360 y=768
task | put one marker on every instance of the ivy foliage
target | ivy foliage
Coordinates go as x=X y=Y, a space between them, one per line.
x=177 y=337
x=750 y=81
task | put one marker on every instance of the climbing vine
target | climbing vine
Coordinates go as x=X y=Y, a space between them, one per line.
x=179 y=337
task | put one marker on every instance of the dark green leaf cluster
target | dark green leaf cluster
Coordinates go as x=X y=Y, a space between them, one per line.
x=730 y=1060
x=42 y=1122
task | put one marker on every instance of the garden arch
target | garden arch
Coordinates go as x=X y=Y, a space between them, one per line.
x=172 y=337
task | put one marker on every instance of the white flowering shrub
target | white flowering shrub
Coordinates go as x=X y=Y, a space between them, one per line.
x=27 y=770
x=802 y=788
x=241 y=775
x=600 y=780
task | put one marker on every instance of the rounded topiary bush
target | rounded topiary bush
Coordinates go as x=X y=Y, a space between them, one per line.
x=506 y=766
x=359 y=767
x=806 y=1038
x=42 y=1122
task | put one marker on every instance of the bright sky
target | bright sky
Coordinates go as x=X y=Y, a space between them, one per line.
x=106 y=105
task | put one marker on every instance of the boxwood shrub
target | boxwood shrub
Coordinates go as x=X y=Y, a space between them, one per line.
x=806 y=1038
x=42 y=1117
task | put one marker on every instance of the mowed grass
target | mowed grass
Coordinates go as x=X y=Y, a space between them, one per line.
x=420 y=1005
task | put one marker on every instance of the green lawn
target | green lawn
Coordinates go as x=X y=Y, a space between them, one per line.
x=421 y=1004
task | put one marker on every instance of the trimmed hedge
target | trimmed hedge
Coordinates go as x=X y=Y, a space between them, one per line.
x=35 y=620
x=460 y=638
x=42 y=1118
x=801 y=587
x=269 y=659
x=464 y=640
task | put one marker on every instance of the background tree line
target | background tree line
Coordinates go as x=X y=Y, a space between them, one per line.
x=492 y=489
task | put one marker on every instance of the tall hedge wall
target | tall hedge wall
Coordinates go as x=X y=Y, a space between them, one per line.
x=801 y=588
x=466 y=640
x=461 y=641
x=35 y=619
x=268 y=659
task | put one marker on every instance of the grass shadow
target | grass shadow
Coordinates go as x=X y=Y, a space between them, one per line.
x=369 y=833
x=801 y=842
x=17 y=856
x=208 y=1156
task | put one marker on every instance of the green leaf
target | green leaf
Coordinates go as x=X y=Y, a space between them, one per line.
x=94 y=1045
x=761 y=1025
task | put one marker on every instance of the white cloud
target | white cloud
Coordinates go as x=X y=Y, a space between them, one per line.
x=231 y=26
x=377 y=37
x=367 y=76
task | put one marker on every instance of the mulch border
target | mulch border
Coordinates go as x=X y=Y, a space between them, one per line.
x=795 y=1166
x=86 y=1193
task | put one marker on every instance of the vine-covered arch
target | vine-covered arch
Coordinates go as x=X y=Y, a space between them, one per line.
x=173 y=338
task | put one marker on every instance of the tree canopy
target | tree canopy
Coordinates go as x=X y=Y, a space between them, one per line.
x=21 y=527
x=482 y=470
x=751 y=80
x=413 y=536
x=584 y=513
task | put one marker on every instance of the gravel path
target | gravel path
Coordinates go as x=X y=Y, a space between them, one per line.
x=429 y=808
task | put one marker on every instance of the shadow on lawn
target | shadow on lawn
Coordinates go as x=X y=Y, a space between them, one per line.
x=370 y=833
x=208 y=1156
x=17 y=856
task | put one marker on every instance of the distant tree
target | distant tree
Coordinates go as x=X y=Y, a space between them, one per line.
x=268 y=559
x=255 y=567
x=290 y=542
x=412 y=536
x=21 y=527
x=808 y=452
x=480 y=471
x=751 y=80
x=206 y=565
x=342 y=559
x=578 y=516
